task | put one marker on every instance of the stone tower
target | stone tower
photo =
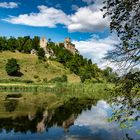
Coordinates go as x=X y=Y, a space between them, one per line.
x=69 y=46
x=43 y=43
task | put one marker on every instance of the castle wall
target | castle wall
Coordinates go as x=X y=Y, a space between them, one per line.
x=69 y=46
x=43 y=43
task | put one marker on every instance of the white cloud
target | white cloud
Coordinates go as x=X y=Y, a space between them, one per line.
x=96 y=116
x=96 y=120
x=96 y=48
x=8 y=5
x=85 y=19
x=89 y=18
x=48 y=17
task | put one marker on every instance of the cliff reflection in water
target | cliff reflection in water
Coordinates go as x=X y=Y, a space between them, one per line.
x=44 y=118
x=78 y=119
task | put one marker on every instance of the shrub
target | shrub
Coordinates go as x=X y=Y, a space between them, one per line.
x=59 y=79
x=64 y=78
x=41 y=54
x=36 y=76
x=28 y=81
x=12 y=67
x=14 y=95
x=45 y=80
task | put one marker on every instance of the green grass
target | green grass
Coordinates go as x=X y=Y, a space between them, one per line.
x=33 y=69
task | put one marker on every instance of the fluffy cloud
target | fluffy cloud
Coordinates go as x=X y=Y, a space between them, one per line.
x=96 y=48
x=48 y=17
x=89 y=18
x=85 y=19
x=96 y=118
x=8 y=5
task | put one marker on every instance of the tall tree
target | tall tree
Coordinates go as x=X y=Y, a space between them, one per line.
x=3 y=43
x=125 y=21
x=12 y=67
x=41 y=53
x=11 y=44
x=35 y=42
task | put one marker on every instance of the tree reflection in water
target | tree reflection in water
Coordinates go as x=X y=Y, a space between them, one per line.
x=10 y=105
x=126 y=111
x=62 y=116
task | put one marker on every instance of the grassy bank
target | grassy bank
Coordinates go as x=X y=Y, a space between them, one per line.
x=27 y=101
x=34 y=70
x=64 y=90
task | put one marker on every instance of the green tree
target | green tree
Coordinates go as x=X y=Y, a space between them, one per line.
x=35 y=42
x=110 y=75
x=3 y=43
x=12 y=67
x=20 y=44
x=125 y=21
x=11 y=44
x=41 y=53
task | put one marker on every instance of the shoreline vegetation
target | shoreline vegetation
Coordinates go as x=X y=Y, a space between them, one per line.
x=29 y=97
x=57 y=88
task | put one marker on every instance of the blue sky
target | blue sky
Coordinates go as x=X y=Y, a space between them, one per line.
x=81 y=20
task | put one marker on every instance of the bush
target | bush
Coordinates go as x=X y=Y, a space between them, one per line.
x=85 y=77
x=15 y=80
x=36 y=76
x=14 y=95
x=64 y=78
x=41 y=54
x=12 y=67
x=59 y=79
x=28 y=81
x=45 y=80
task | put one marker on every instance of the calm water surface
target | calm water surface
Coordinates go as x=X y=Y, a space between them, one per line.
x=74 y=120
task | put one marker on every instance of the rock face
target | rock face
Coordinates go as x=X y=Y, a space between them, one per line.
x=69 y=46
x=49 y=52
x=43 y=44
x=34 y=52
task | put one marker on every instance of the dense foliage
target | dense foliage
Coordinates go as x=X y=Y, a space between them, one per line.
x=21 y=44
x=41 y=53
x=79 y=65
x=76 y=63
x=62 y=79
x=125 y=21
x=12 y=67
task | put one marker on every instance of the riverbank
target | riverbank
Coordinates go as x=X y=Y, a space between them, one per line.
x=26 y=98
x=61 y=89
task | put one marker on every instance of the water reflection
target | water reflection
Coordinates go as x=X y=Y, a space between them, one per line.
x=10 y=105
x=73 y=120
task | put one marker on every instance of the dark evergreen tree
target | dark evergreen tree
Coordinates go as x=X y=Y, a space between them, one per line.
x=41 y=53
x=12 y=67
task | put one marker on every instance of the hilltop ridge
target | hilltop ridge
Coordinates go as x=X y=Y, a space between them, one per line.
x=38 y=56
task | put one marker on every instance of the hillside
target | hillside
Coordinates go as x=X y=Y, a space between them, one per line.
x=34 y=69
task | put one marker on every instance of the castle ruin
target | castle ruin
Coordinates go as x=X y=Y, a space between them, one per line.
x=43 y=44
x=49 y=52
x=69 y=46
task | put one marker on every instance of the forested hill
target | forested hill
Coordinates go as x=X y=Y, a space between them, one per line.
x=76 y=63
